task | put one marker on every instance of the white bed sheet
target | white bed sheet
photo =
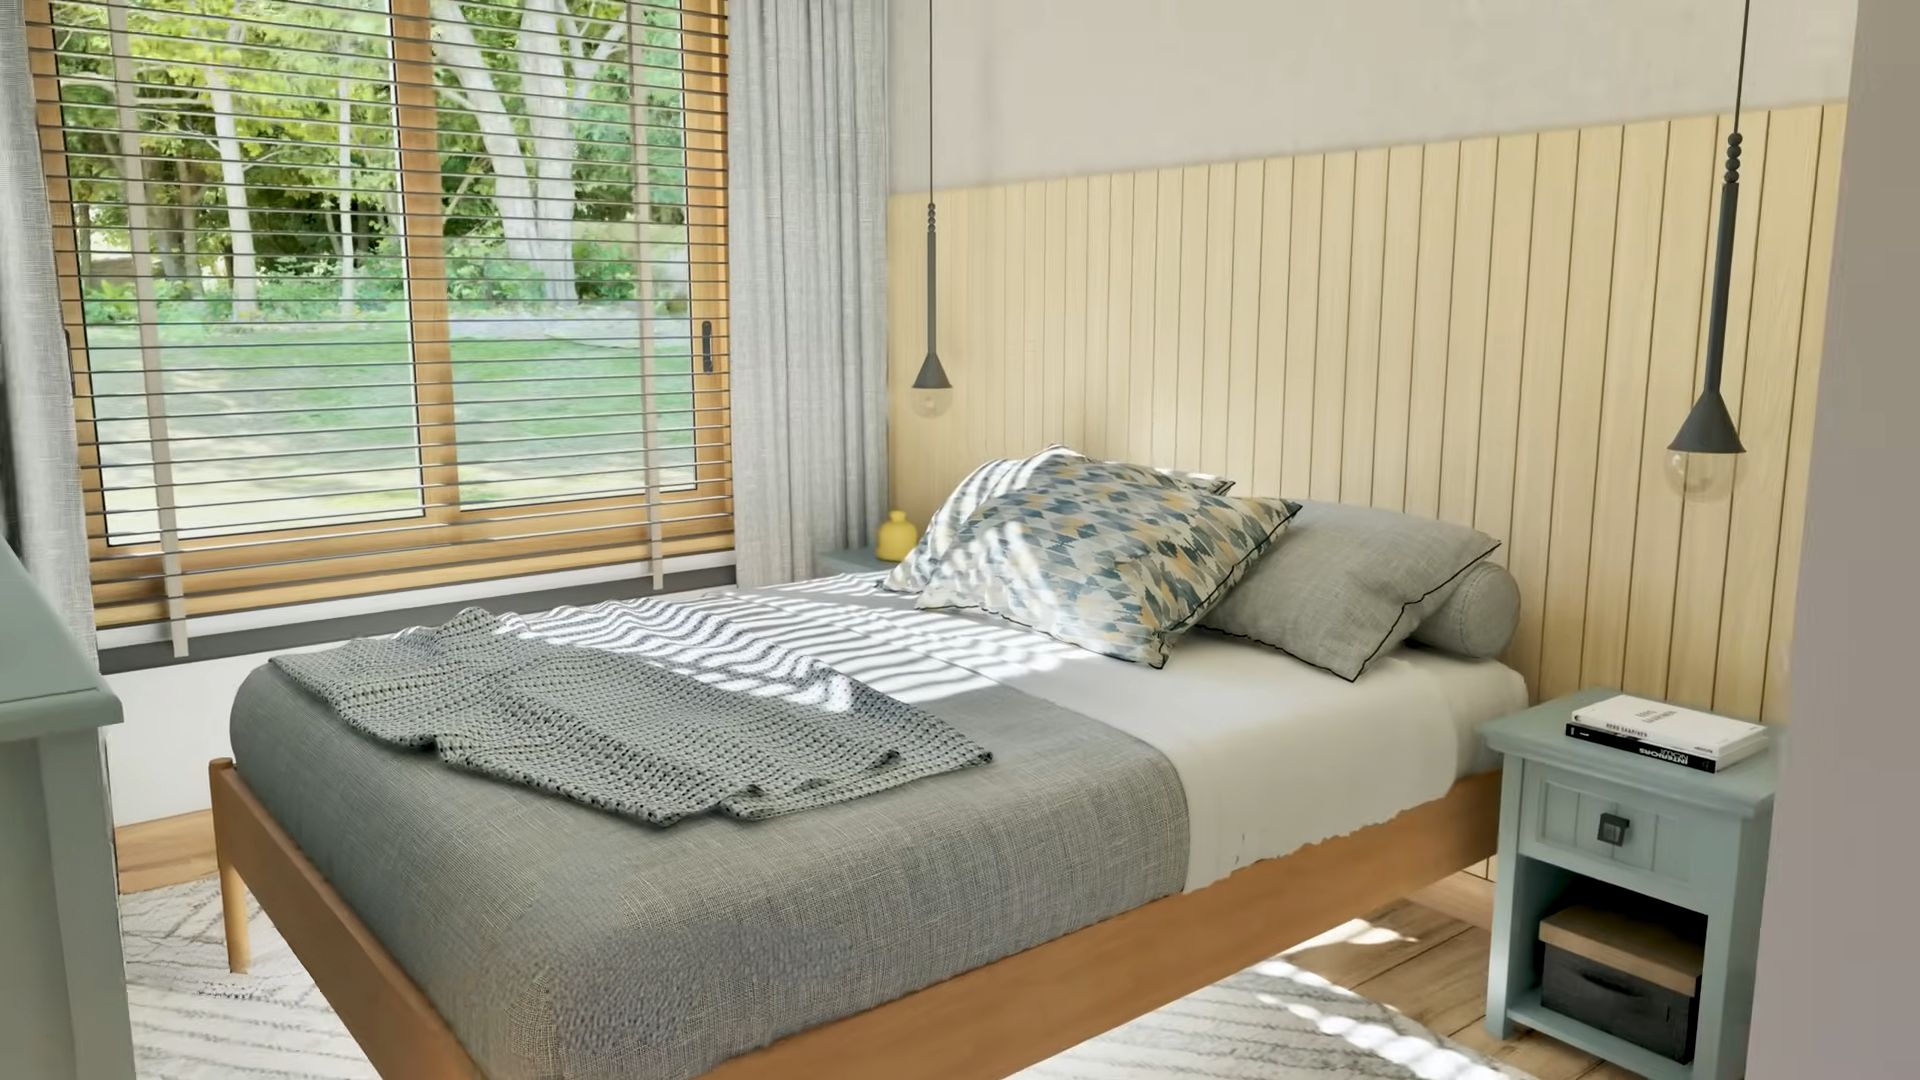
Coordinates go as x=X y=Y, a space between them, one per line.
x=1273 y=754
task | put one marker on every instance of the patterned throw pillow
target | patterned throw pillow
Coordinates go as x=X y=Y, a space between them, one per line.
x=997 y=478
x=1105 y=563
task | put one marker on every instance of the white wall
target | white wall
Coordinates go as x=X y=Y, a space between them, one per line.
x=1838 y=950
x=175 y=722
x=1033 y=88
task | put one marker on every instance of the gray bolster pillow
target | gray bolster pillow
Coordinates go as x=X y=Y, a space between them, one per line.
x=1477 y=617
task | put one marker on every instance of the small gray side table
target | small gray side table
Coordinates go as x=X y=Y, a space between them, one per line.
x=853 y=561
x=1697 y=840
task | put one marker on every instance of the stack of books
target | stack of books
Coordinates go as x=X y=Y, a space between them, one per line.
x=1698 y=740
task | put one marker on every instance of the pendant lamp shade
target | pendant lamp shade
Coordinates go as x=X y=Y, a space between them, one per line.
x=1708 y=428
x=932 y=391
x=1700 y=454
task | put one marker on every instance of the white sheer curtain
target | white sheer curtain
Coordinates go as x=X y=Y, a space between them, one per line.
x=807 y=194
x=40 y=510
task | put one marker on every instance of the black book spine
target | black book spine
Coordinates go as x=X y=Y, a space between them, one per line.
x=1634 y=746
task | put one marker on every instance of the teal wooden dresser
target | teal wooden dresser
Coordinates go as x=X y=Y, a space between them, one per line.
x=63 y=993
x=1696 y=840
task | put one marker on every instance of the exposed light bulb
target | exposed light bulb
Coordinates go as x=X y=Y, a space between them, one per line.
x=1701 y=477
x=931 y=403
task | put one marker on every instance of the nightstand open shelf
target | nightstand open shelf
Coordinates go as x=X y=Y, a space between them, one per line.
x=1528 y=1011
x=1696 y=841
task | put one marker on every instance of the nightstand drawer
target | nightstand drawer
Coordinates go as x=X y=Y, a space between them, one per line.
x=1579 y=817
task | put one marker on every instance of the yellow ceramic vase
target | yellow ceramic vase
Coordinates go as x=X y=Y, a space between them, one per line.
x=897 y=537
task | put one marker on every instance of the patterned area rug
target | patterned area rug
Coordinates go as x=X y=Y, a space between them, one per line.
x=192 y=1020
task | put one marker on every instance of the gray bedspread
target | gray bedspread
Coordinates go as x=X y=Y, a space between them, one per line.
x=558 y=940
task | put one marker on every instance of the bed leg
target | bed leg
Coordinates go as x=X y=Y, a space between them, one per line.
x=233 y=891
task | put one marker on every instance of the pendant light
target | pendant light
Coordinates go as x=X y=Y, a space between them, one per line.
x=1701 y=457
x=932 y=393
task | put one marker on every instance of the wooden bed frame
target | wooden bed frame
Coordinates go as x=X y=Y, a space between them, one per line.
x=980 y=1025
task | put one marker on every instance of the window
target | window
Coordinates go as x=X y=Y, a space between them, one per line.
x=366 y=295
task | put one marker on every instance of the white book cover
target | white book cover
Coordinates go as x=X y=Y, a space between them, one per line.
x=1656 y=722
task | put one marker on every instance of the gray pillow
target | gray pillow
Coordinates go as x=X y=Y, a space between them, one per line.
x=1346 y=584
x=1478 y=615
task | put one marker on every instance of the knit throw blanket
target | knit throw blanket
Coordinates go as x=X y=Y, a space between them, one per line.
x=696 y=718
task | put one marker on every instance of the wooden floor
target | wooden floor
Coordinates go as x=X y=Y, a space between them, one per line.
x=1431 y=966
x=155 y=854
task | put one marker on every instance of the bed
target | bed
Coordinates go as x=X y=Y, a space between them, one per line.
x=1140 y=834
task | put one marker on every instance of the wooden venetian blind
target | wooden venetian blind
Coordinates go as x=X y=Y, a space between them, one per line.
x=366 y=295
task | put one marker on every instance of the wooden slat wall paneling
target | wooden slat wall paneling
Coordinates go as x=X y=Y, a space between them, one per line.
x=1120 y=309
x=1053 y=323
x=1031 y=359
x=1813 y=325
x=1623 y=396
x=1164 y=407
x=1146 y=237
x=1549 y=264
x=1467 y=329
x=1583 y=363
x=1190 y=373
x=1398 y=285
x=1073 y=429
x=1508 y=257
x=1303 y=304
x=983 y=293
x=1766 y=408
x=992 y=418
x=1432 y=312
x=1013 y=390
x=1099 y=278
x=1217 y=339
x=1330 y=323
x=1270 y=371
x=1501 y=331
x=1363 y=327
x=1249 y=231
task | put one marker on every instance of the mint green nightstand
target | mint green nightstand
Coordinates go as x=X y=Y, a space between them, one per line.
x=853 y=561
x=1697 y=840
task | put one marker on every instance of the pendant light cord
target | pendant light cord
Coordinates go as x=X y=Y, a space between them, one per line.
x=1743 y=63
x=1739 y=78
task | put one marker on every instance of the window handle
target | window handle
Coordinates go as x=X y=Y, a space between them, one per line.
x=706 y=346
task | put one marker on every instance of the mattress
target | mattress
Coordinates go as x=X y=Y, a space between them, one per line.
x=1272 y=753
x=558 y=940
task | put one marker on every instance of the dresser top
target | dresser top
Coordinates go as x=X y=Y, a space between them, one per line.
x=38 y=658
x=1539 y=734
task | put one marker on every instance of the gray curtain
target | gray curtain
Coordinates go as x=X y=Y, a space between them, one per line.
x=807 y=195
x=40 y=510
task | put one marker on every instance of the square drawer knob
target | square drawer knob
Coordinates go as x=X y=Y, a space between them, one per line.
x=1613 y=829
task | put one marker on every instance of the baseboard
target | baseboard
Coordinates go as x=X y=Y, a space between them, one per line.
x=1462 y=896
